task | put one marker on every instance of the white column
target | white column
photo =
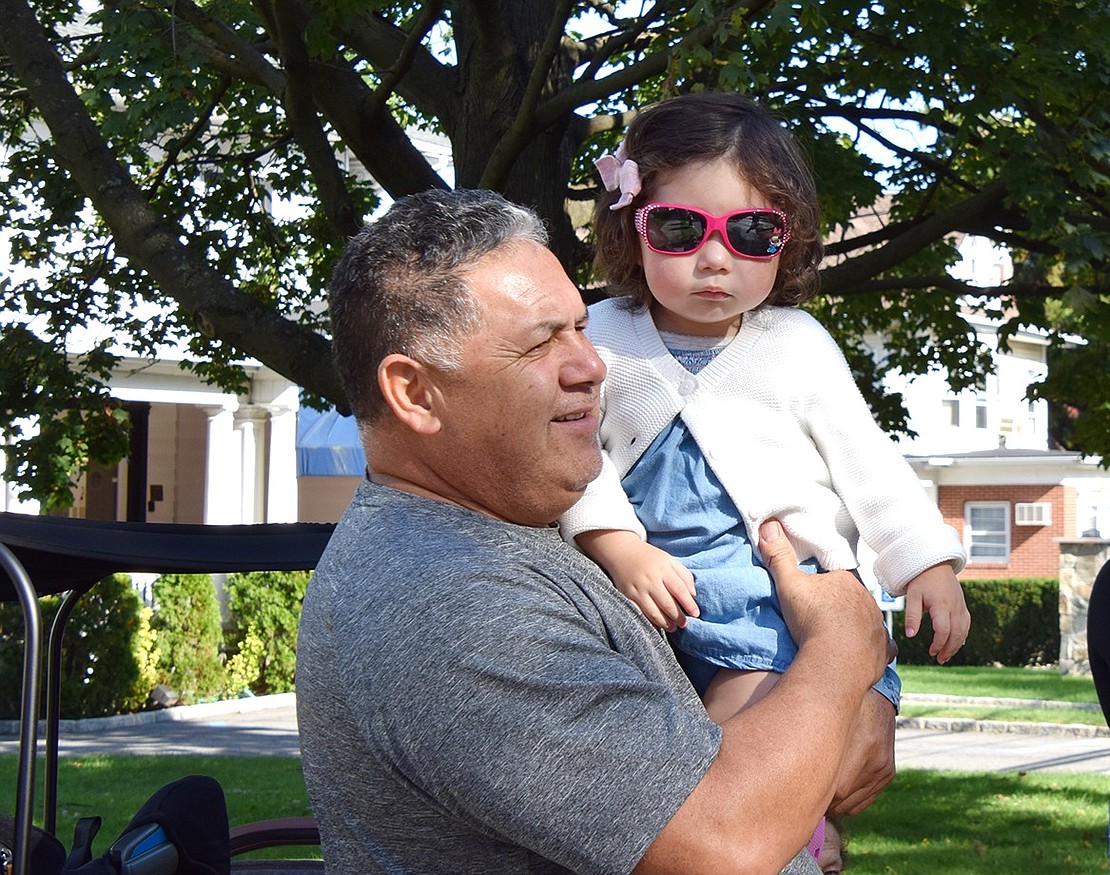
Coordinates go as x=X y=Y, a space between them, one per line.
x=281 y=491
x=222 y=477
x=250 y=422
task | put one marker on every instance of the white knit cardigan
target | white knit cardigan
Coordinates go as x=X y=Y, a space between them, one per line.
x=783 y=425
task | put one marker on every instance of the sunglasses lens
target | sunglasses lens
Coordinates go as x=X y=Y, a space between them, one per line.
x=671 y=229
x=758 y=233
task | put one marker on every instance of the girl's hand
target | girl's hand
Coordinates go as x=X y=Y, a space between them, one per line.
x=938 y=591
x=657 y=583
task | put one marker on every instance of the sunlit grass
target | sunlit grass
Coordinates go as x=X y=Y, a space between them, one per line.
x=1017 y=683
x=1009 y=715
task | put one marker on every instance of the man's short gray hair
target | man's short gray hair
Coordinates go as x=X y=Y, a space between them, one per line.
x=401 y=285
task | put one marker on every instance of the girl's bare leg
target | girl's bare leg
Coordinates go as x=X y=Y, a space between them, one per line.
x=732 y=690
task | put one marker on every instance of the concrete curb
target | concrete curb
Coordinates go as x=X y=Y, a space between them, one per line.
x=934 y=698
x=203 y=711
x=967 y=724
x=963 y=724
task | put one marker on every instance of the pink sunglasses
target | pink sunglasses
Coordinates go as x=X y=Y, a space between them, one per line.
x=673 y=229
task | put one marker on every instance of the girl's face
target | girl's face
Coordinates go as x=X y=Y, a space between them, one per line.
x=706 y=292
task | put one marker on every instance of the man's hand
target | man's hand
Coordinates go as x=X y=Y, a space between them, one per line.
x=831 y=608
x=659 y=585
x=938 y=591
x=868 y=764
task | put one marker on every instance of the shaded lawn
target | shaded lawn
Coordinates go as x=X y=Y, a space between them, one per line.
x=967 y=823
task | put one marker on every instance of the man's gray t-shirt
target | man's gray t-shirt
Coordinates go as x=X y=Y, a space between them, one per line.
x=476 y=697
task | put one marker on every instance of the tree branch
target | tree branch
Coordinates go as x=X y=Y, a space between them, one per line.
x=912 y=238
x=427 y=84
x=303 y=122
x=151 y=243
x=389 y=78
x=227 y=52
x=377 y=140
x=950 y=286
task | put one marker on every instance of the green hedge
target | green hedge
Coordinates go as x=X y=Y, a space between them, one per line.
x=188 y=636
x=115 y=649
x=261 y=640
x=107 y=652
x=1014 y=622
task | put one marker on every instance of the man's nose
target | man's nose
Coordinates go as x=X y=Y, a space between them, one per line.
x=584 y=365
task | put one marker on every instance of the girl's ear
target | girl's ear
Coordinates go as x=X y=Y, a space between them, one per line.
x=411 y=393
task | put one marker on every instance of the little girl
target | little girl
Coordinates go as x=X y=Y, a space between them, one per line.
x=724 y=405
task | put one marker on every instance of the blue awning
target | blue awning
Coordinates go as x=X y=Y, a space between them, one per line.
x=328 y=445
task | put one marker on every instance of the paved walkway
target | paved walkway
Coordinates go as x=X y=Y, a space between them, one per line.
x=267 y=726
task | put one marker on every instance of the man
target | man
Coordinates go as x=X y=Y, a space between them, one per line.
x=473 y=694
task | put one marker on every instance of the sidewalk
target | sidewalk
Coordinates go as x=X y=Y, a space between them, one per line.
x=267 y=726
x=261 y=726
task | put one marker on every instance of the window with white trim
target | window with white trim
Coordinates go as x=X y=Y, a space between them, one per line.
x=987 y=531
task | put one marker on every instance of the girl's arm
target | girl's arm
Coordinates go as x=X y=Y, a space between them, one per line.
x=604 y=505
x=883 y=494
x=659 y=585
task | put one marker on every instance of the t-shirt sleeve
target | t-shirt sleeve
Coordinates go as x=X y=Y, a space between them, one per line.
x=523 y=721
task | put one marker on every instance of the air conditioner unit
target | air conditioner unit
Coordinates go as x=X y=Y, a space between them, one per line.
x=1033 y=513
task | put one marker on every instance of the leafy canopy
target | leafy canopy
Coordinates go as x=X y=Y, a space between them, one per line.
x=184 y=173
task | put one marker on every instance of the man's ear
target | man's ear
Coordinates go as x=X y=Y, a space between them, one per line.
x=411 y=392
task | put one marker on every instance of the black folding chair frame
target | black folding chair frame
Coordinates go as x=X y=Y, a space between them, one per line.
x=67 y=557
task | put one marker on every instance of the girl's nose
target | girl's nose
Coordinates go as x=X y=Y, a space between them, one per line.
x=714 y=253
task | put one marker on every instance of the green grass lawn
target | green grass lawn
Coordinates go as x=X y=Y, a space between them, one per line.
x=925 y=822
x=1004 y=714
x=970 y=823
x=1005 y=683
x=1015 y=683
x=114 y=787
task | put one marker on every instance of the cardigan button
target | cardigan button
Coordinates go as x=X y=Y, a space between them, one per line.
x=687 y=386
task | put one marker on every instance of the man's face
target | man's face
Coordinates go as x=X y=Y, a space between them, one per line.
x=520 y=417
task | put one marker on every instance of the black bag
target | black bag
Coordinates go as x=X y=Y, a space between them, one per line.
x=46 y=853
x=181 y=830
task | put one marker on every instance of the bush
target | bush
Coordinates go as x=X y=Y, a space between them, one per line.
x=186 y=626
x=265 y=609
x=1014 y=622
x=107 y=652
x=107 y=661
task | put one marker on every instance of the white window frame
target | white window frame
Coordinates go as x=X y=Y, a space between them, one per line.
x=982 y=543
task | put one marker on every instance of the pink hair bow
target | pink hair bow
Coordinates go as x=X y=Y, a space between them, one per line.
x=619 y=171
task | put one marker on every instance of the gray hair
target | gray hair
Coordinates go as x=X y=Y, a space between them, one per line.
x=401 y=284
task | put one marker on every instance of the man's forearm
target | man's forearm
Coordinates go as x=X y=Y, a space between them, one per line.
x=774 y=776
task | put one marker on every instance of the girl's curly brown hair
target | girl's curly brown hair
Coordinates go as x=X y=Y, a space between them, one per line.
x=704 y=127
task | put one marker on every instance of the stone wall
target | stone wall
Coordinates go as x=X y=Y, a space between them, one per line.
x=1080 y=562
